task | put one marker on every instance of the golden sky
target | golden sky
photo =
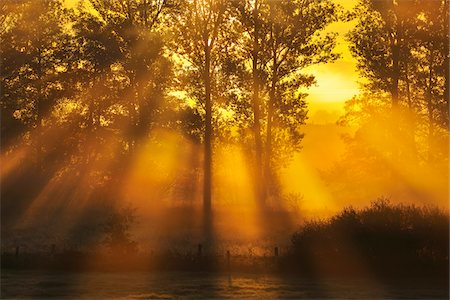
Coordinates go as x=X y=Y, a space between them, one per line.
x=338 y=81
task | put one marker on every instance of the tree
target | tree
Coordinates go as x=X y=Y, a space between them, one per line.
x=136 y=26
x=401 y=47
x=197 y=32
x=400 y=127
x=431 y=52
x=75 y=85
x=284 y=37
x=251 y=17
x=32 y=53
x=380 y=40
x=35 y=60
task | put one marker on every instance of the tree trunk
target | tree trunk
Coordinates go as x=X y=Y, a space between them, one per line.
x=267 y=165
x=208 y=133
x=408 y=86
x=39 y=113
x=395 y=48
x=430 y=105
x=412 y=130
x=270 y=112
x=446 y=53
x=259 y=192
x=395 y=73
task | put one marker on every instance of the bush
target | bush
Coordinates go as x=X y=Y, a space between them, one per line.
x=117 y=230
x=394 y=238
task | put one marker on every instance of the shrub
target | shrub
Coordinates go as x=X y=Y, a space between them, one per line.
x=383 y=235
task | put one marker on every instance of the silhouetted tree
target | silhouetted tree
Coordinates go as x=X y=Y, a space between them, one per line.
x=142 y=67
x=284 y=37
x=402 y=49
x=33 y=61
x=197 y=32
x=397 y=118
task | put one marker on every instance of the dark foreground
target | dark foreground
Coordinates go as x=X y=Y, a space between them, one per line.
x=169 y=285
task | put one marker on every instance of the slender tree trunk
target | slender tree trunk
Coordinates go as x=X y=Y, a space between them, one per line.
x=395 y=131
x=208 y=133
x=92 y=112
x=446 y=53
x=256 y=110
x=395 y=73
x=408 y=86
x=141 y=114
x=39 y=113
x=144 y=12
x=132 y=125
x=270 y=112
x=430 y=105
x=411 y=133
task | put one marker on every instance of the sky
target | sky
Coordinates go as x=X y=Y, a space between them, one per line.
x=337 y=81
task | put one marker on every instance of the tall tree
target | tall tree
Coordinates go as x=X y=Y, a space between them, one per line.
x=296 y=40
x=33 y=58
x=136 y=24
x=198 y=29
x=35 y=55
x=401 y=48
x=380 y=40
x=251 y=16
x=431 y=76
x=402 y=51
x=281 y=39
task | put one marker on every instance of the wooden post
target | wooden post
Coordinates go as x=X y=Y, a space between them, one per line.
x=276 y=252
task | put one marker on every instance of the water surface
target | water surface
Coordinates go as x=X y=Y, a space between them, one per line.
x=169 y=285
